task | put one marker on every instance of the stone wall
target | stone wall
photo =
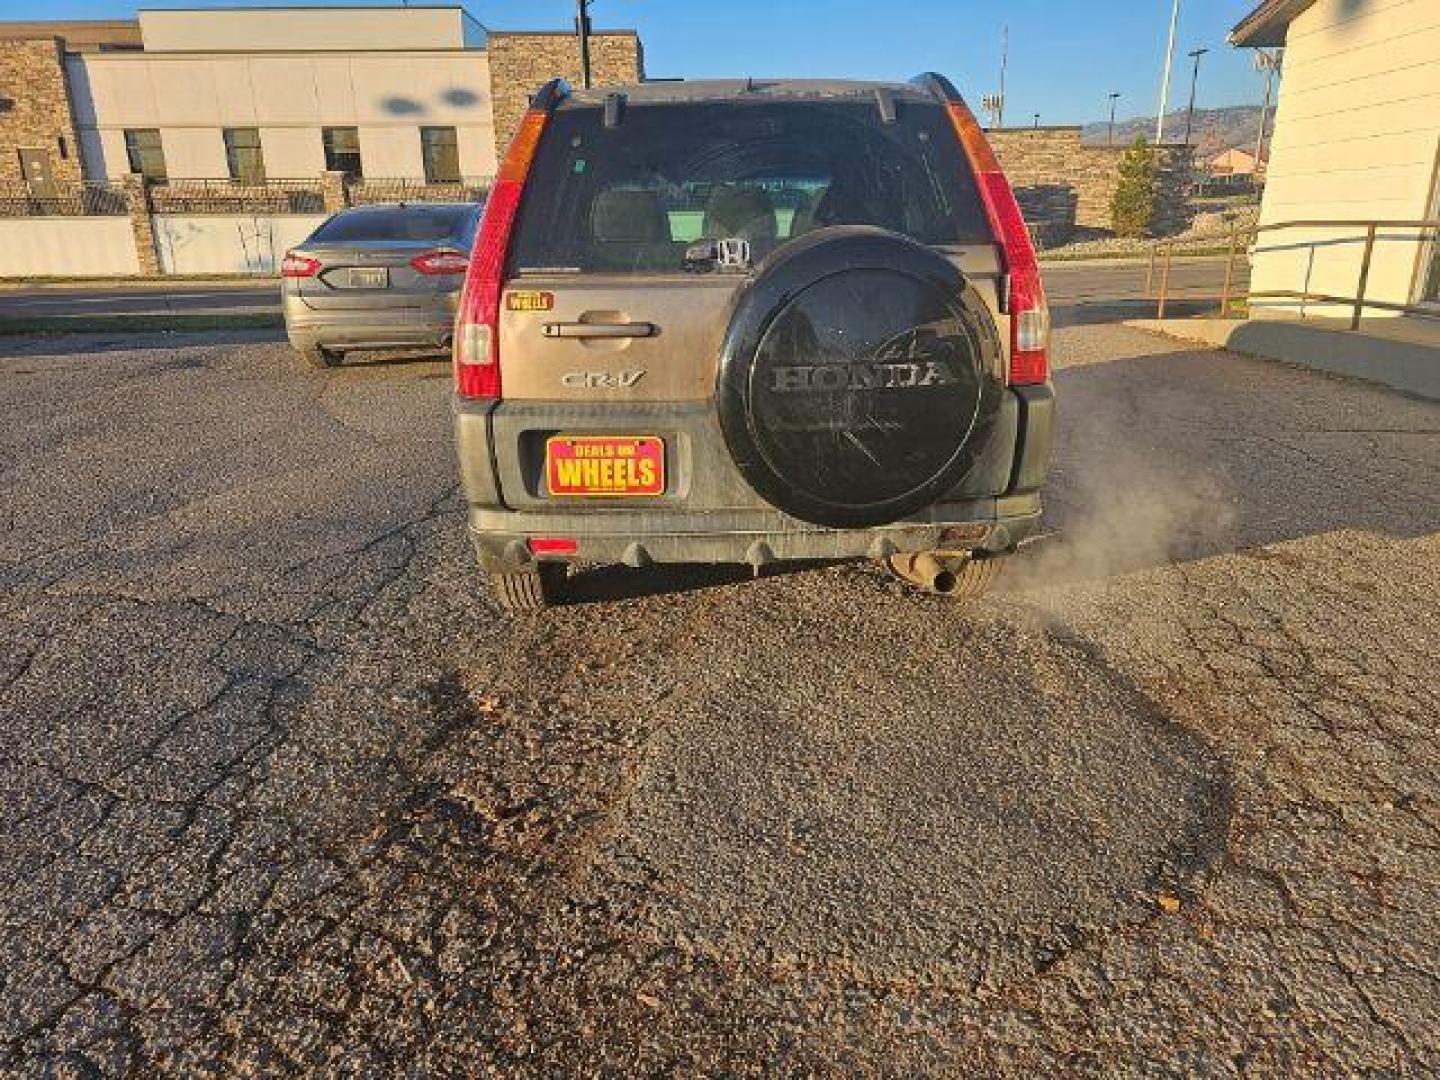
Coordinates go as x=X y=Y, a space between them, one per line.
x=1062 y=185
x=522 y=62
x=35 y=108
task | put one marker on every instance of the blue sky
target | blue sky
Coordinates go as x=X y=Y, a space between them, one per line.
x=1065 y=55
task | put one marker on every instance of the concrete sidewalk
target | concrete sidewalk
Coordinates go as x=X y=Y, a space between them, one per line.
x=1401 y=353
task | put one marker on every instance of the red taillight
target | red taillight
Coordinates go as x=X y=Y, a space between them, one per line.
x=298 y=265
x=553 y=545
x=477 y=344
x=441 y=261
x=1029 y=315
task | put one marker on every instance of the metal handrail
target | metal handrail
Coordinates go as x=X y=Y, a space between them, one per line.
x=1358 y=303
x=1343 y=223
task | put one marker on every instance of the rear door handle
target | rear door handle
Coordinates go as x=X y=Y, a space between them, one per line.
x=600 y=330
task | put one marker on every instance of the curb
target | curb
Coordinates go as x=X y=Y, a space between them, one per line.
x=1406 y=366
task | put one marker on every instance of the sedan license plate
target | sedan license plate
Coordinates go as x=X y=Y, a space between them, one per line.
x=605 y=465
x=368 y=277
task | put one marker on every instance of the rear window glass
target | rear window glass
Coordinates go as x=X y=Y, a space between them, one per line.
x=430 y=224
x=633 y=197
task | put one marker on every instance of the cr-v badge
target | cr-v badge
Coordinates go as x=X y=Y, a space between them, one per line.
x=601 y=380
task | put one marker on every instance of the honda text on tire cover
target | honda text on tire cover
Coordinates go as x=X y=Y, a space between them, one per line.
x=750 y=322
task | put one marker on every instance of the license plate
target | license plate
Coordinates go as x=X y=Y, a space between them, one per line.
x=368 y=277
x=604 y=465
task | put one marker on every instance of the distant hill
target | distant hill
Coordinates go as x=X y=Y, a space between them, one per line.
x=1214 y=129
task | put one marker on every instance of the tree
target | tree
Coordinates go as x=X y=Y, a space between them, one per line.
x=1132 y=209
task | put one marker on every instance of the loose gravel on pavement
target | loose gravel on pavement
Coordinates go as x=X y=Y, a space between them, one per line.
x=282 y=792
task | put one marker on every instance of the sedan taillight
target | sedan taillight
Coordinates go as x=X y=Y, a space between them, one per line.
x=441 y=261
x=298 y=266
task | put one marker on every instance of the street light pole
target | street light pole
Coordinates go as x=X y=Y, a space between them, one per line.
x=1194 y=78
x=1165 y=81
x=1110 y=139
x=1004 y=63
x=582 y=30
x=1270 y=63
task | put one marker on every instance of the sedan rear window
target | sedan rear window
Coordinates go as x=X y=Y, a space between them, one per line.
x=428 y=224
x=635 y=196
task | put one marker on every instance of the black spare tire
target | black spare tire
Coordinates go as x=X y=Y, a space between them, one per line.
x=859 y=377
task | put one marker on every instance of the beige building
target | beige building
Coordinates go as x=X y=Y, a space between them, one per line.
x=277 y=93
x=1357 y=139
x=1232 y=162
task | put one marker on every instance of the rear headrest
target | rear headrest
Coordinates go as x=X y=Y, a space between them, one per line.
x=627 y=215
x=849 y=201
x=739 y=211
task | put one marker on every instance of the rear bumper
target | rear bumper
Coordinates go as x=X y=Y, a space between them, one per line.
x=638 y=538
x=371 y=328
x=708 y=513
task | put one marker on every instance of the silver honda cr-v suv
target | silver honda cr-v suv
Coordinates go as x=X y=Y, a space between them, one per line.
x=747 y=322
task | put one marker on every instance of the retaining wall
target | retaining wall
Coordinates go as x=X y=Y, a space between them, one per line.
x=64 y=246
x=228 y=243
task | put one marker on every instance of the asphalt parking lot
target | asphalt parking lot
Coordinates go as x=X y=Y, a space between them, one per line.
x=281 y=792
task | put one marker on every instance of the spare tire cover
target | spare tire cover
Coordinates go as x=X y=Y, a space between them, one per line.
x=859 y=377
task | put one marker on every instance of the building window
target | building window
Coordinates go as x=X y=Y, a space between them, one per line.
x=342 y=150
x=441 y=153
x=146 y=155
x=243 y=155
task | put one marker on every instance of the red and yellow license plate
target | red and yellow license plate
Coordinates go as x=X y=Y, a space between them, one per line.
x=605 y=465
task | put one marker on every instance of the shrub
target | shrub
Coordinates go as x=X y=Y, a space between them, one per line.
x=1132 y=209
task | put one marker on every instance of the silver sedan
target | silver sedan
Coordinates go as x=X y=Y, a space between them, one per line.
x=377 y=277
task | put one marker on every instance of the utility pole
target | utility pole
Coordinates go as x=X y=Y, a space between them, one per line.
x=1004 y=63
x=1165 y=81
x=582 y=30
x=1110 y=139
x=1194 y=78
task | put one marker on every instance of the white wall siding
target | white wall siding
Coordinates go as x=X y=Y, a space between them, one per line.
x=477 y=151
x=1357 y=136
x=292 y=153
x=191 y=98
x=228 y=243
x=390 y=151
x=194 y=152
x=277 y=29
x=89 y=246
